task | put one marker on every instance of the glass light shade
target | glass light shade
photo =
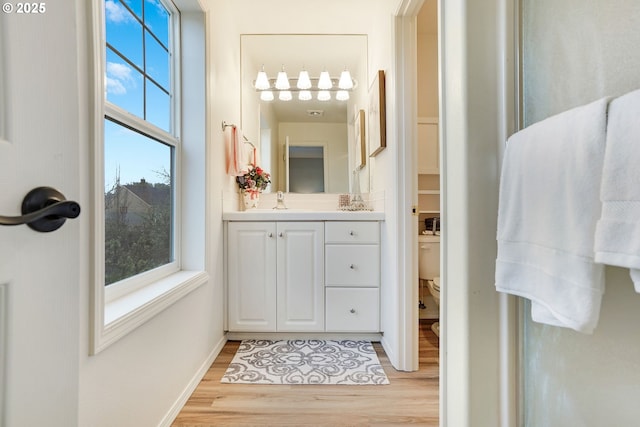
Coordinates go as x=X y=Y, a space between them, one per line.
x=304 y=95
x=262 y=81
x=345 y=81
x=285 y=95
x=342 y=95
x=324 y=82
x=324 y=95
x=267 y=95
x=304 y=82
x=282 y=82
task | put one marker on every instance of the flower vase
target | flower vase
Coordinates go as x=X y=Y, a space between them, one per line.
x=250 y=198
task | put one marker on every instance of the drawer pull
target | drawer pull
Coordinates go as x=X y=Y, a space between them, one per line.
x=352 y=233
x=352 y=311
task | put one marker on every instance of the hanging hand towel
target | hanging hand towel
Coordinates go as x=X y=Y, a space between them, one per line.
x=617 y=240
x=548 y=209
x=233 y=150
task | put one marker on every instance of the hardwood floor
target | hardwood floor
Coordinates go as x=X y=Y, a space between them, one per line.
x=410 y=398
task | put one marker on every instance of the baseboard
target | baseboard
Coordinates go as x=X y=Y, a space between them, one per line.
x=191 y=386
x=391 y=355
x=368 y=336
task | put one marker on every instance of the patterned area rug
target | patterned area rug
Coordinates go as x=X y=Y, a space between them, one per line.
x=305 y=362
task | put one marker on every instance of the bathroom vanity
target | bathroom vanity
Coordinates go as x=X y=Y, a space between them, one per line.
x=303 y=271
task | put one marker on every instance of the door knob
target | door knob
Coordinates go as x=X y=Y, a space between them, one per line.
x=44 y=209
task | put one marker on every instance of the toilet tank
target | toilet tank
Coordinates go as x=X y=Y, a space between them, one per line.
x=429 y=256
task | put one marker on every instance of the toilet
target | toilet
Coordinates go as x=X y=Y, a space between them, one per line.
x=429 y=268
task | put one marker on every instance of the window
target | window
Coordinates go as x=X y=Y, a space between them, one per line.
x=142 y=263
x=141 y=142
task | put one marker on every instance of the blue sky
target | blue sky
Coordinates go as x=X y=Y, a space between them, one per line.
x=128 y=153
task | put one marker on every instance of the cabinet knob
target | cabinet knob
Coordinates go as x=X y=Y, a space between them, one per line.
x=352 y=267
x=352 y=233
x=270 y=235
x=352 y=311
x=281 y=234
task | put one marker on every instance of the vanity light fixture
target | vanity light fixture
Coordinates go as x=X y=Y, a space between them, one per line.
x=282 y=82
x=285 y=95
x=304 y=82
x=262 y=81
x=304 y=95
x=324 y=83
x=342 y=95
x=345 y=82
x=324 y=95
x=304 y=86
x=266 y=95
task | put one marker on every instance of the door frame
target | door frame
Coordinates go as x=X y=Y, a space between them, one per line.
x=479 y=343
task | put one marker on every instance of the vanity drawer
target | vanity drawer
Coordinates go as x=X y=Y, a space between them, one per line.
x=352 y=310
x=352 y=265
x=352 y=232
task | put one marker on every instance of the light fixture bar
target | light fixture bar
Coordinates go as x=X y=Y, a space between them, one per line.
x=304 y=86
x=293 y=82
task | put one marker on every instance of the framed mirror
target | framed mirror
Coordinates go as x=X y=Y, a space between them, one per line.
x=285 y=130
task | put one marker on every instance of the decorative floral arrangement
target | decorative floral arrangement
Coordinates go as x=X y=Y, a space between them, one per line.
x=254 y=180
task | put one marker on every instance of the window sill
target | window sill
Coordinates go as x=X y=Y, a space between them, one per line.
x=126 y=313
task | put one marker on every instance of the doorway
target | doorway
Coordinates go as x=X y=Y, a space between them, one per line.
x=306 y=168
x=478 y=90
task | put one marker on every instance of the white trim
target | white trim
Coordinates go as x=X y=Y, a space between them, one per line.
x=132 y=284
x=177 y=406
x=127 y=313
x=4 y=345
x=369 y=336
x=3 y=100
x=468 y=392
x=407 y=185
x=155 y=290
x=139 y=125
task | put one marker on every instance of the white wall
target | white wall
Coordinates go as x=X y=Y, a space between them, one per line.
x=139 y=379
x=577 y=51
x=229 y=19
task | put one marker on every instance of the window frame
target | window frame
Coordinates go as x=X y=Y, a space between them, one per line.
x=140 y=125
x=119 y=308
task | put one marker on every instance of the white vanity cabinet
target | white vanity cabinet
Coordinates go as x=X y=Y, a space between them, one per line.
x=275 y=276
x=352 y=276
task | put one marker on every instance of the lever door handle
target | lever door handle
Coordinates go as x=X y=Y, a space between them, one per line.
x=44 y=209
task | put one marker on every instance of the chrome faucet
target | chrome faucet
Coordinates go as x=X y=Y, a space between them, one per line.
x=280 y=201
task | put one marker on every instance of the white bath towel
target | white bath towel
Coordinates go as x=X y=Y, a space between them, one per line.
x=548 y=209
x=617 y=239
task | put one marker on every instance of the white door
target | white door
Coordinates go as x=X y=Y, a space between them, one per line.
x=300 y=276
x=42 y=127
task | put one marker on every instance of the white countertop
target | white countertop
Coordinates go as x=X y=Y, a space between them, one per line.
x=301 y=215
